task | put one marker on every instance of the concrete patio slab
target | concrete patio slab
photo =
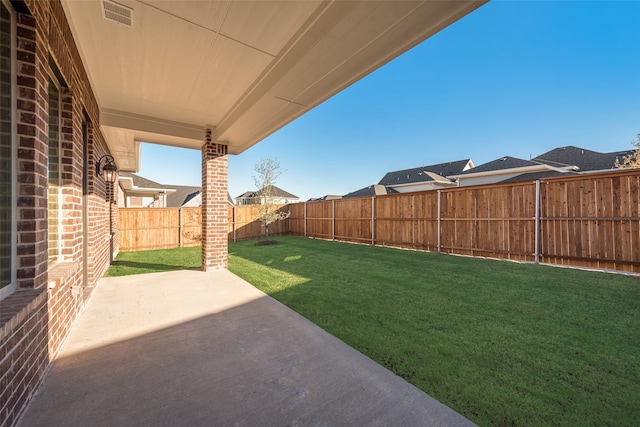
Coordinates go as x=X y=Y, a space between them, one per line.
x=189 y=348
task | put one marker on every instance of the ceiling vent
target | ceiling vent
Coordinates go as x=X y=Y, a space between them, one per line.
x=116 y=12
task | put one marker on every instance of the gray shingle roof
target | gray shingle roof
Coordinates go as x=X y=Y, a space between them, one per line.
x=141 y=182
x=537 y=175
x=247 y=194
x=277 y=192
x=586 y=160
x=372 y=190
x=407 y=176
x=182 y=195
x=325 y=197
x=500 y=164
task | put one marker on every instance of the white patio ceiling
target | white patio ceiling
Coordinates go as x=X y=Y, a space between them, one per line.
x=245 y=68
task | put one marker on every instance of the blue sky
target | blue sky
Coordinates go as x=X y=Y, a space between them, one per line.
x=513 y=78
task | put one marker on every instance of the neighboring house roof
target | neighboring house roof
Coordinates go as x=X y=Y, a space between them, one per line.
x=136 y=186
x=560 y=161
x=325 y=197
x=275 y=192
x=279 y=192
x=508 y=169
x=586 y=160
x=183 y=195
x=557 y=162
x=186 y=198
x=437 y=172
x=247 y=194
x=538 y=175
x=499 y=164
x=139 y=181
x=372 y=190
x=176 y=195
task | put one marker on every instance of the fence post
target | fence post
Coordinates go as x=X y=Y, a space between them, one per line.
x=413 y=223
x=537 y=224
x=180 y=225
x=333 y=220
x=373 y=220
x=305 y=219
x=234 y=222
x=439 y=220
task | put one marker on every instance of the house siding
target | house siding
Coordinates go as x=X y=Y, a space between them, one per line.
x=36 y=318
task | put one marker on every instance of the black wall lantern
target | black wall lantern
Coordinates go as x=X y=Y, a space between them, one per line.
x=106 y=168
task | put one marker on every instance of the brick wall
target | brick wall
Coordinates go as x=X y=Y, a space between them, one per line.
x=214 y=203
x=23 y=350
x=37 y=317
x=31 y=116
x=99 y=238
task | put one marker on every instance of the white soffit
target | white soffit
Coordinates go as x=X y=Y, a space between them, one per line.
x=246 y=67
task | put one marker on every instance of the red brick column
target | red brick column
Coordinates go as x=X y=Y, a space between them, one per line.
x=214 y=203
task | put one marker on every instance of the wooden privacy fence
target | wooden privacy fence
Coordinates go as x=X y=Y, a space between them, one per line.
x=584 y=220
x=591 y=221
x=159 y=228
x=163 y=228
x=244 y=223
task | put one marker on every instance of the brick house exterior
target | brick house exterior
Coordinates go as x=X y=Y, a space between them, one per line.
x=46 y=293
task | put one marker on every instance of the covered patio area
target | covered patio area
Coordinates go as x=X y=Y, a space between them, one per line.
x=84 y=84
x=187 y=348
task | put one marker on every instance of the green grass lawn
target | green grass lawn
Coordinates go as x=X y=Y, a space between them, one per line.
x=502 y=343
x=127 y=263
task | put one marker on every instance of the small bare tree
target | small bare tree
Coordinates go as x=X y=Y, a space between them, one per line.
x=631 y=161
x=267 y=171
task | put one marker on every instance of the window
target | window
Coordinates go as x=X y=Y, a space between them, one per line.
x=53 y=172
x=7 y=114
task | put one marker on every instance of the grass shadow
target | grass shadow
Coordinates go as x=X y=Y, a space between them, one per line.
x=149 y=267
x=127 y=263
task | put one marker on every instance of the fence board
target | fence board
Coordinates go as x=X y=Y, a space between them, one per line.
x=425 y=212
x=297 y=218
x=247 y=224
x=319 y=219
x=494 y=221
x=352 y=219
x=394 y=220
x=146 y=229
x=592 y=221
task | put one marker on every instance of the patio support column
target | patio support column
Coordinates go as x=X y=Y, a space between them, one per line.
x=214 y=203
